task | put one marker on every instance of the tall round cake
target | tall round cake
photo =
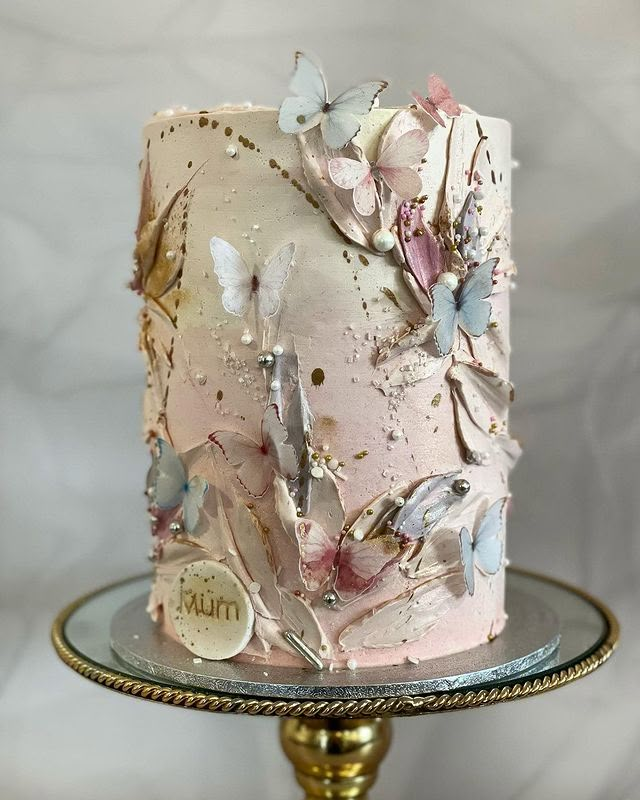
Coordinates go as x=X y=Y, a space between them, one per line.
x=326 y=334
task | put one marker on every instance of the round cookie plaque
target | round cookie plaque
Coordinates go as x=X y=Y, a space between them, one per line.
x=211 y=611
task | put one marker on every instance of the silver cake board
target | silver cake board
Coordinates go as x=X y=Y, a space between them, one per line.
x=531 y=637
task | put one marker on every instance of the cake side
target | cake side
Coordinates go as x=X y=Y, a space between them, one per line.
x=341 y=460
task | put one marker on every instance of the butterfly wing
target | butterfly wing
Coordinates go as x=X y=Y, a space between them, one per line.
x=405 y=151
x=341 y=122
x=272 y=279
x=193 y=501
x=348 y=173
x=280 y=454
x=253 y=467
x=444 y=311
x=233 y=275
x=362 y=563
x=426 y=105
x=487 y=544
x=170 y=476
x=308 y=80
x=466 y=556
x=473 y=309
x=304 y=111
x=427 y=504
x=365 y=196
x=317 y=553
x=396 y=160
x=441 y=97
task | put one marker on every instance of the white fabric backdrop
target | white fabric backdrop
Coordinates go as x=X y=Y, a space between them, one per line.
x=78 y=79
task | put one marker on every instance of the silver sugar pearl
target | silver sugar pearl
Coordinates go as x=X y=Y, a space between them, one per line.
x=330 y=599
x=266 y=359
x=175 y=527
x=461 y=486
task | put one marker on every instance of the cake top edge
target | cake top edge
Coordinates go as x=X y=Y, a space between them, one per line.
x=181 y=113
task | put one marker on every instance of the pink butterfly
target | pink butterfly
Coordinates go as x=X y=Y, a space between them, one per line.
x=394 y=166
x=439 y=99
x=257 y=461
x=359 y=563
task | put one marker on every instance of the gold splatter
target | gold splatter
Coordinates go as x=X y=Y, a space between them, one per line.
x=326 y=424
x=190 y=164
x=317 y=376
x=162 y=134
x=171 y=129
x=363 y=260
x=273 y=163
x=436 y=400
x=214 y=124
x=219 y=395
x=362 y=454
x=391 y=295
x=228 y=131
x=311 y=199
x=203 y=122
x=285 y=174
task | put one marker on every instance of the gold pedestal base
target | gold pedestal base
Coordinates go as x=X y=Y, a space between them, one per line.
x=335 y=759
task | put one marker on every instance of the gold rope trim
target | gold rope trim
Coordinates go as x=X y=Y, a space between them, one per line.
x=367 y=707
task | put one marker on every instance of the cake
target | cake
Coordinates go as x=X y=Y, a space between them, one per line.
x=326 y=335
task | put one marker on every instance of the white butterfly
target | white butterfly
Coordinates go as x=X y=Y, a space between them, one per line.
x=485 y=549
x=172 y=486
x=339 y=119
x=393 y=167
x=241 y=285
x=468 y=310
x=257 y=461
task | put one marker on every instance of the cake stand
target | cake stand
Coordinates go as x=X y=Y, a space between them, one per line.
x=335 y=726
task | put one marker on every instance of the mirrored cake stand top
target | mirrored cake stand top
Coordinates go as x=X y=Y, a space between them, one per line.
x=555 y=635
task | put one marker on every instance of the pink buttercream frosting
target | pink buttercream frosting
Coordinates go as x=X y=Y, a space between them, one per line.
x=244 y=183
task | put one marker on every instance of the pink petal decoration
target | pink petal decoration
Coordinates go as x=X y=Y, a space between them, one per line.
x=423 y=253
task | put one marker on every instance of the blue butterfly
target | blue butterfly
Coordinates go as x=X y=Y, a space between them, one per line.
x=485 y=549
x=172 y=487
x=469 y=311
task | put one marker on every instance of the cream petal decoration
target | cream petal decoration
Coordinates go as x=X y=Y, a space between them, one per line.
x=406 y=618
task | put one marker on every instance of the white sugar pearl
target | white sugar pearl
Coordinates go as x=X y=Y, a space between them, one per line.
x=254 y=587
x=413 y=660
x=449 y=279
x=333 y=464
x=357 y=534
x=276 y=386
x=170 y=255
x=352 y=664
x=399 y=501
x=231 y=151
x=317 y=472
x=201 y=378
x=396 y=435
x=383 y=240
x=246 y=338
x=278 y=350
